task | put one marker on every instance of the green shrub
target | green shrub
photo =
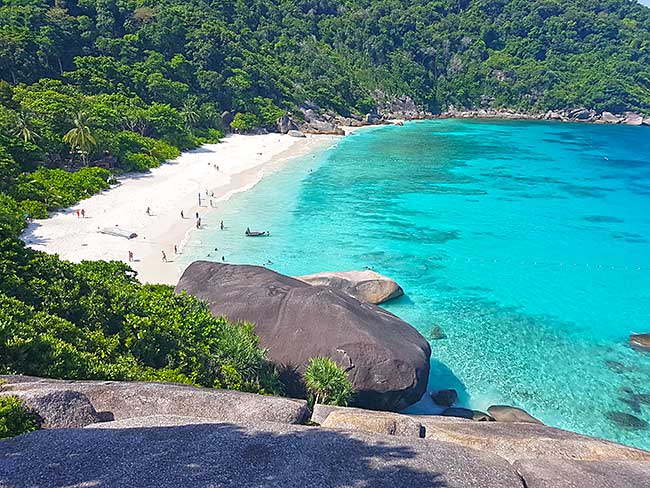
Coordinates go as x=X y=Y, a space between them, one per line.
x=14 y=418
x=58 y=188
x=93 y=320
x=209 y=136
x=243 y=122
x=35 y=210
x=327 y=383
x=139 y=162
x=12 y=221
x=131 y=143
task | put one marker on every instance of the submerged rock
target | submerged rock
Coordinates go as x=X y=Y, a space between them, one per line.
x=643 y=398
x=617 y=367
x=627 y=421
x=444 y=398
x=365 y=285
x=506 y=413
x=640 y=341
x=386 y=359
x=437 y=333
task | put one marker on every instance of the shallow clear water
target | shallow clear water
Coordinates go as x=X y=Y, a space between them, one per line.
x=527 y=243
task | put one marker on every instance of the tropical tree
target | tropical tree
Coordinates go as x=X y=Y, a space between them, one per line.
x=25 y=127
x=190 y=113
x=79 y=137
x=327 y=383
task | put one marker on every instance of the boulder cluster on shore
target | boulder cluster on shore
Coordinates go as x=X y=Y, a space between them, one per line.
x=564 y=115
x=393 y=110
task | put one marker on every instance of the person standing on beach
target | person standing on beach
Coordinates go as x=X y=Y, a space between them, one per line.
x=148 y=211
x=222 y=225
x=175 y=249
x=130 y=256
x=83 y=213
x=197 y=215
x=77 y=213
x=164 y=257
x=199 y=199
x=211 y=203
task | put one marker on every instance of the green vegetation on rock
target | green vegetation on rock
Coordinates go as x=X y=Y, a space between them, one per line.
x=327 y=383
x=14 y=418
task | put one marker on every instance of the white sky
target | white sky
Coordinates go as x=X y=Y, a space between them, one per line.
x=645 y=2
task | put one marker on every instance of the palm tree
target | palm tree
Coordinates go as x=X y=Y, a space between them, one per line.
x=79 y=137
x=190 y=113
x=25 y=128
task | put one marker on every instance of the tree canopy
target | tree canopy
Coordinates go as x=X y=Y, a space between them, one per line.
x=245 y=55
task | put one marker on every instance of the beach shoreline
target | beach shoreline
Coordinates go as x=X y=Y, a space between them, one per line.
x=214 y=172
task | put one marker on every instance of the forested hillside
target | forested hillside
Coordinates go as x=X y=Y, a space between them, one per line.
x=252 y=56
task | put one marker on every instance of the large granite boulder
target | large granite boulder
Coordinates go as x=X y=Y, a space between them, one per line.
x=386 y=423
x=582 y=114
x=322 y=127
x=284 y=124
x=365 y=285
x=386 y=359
x=516 y=440
x=506 y=413
x=115 y=400
x=584 y=474
x=444 y=398
x=609 y=118
x=226 y=119
x=154 y=453
x=632 y=118
x=58 y=408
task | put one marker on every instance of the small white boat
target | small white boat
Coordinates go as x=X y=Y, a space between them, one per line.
x=117 y=232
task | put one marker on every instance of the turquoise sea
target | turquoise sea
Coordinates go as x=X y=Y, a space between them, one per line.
x=527 y=243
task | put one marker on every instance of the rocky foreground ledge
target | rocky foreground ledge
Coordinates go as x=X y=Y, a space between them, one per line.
x=165 y=435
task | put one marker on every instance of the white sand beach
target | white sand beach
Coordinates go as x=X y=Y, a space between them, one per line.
x=242 y=160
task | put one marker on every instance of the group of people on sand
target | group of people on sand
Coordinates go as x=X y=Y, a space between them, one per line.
x=198 y=223
x=81 y=214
